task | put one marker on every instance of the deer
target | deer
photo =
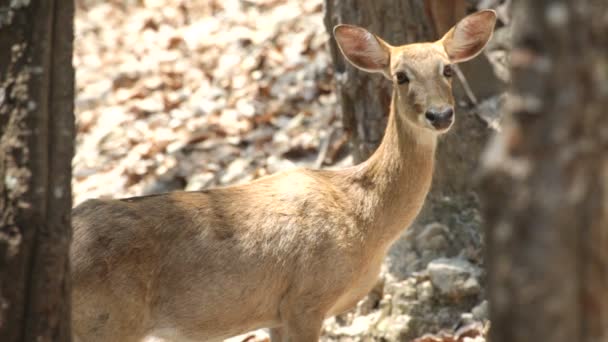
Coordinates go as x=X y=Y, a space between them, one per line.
x=281 y=252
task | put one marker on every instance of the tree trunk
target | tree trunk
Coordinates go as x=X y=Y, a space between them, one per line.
x=546 y=182
x=36 y=148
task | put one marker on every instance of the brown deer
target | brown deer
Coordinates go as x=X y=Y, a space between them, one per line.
x=284 y=251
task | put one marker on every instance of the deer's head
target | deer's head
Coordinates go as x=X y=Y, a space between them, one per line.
x=422 y=72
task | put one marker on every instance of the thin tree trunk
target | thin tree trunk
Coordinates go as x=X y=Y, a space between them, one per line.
x=546 y=183
x=36 y=148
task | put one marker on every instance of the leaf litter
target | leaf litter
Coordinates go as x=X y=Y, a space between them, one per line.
x=176 y=94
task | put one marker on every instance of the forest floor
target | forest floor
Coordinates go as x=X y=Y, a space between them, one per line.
x=177 y=94
x=173 y=97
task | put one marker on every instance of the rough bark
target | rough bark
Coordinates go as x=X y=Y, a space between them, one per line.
x=546 y=182
x=36 y=148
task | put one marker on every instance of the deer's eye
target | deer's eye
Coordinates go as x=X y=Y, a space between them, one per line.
x=448 y=71
x=402 y=77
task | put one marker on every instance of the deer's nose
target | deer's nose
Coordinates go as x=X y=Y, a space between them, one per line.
x=440 y=118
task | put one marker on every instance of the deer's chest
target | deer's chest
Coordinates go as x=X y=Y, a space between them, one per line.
x=363 y=281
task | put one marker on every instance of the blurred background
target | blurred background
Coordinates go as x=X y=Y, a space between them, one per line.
x=184 y=95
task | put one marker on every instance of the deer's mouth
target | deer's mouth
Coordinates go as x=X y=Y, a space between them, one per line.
x=441 y=126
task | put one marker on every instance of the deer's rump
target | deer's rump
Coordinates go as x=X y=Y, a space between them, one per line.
x=136 y=274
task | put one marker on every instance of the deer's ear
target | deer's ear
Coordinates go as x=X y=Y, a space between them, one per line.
x=468 y=38
x=363 y=49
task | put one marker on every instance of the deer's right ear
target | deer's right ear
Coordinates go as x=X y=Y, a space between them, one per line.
x=363 y=49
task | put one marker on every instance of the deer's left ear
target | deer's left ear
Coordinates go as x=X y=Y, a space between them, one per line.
x=468 y=38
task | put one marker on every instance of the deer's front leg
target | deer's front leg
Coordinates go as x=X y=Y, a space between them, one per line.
x=277 y=334
x=304 y=328
x=300 y=324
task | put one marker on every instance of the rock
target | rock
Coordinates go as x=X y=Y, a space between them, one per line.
x=200 y=181
x=474 y=339
x=433 y=237
x=454 y=278
x=504 y=12
x=164 y=184
x=490 y=110
x=467 y=318
x=235 y=170
x=403 y=293
x=425 y=291
x=412 y=262
x=275 y=164
x=393 y=328
x=359 y=326
x=431 y=243
x=481 y=311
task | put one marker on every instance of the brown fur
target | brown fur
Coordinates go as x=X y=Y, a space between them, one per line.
x=283 y=252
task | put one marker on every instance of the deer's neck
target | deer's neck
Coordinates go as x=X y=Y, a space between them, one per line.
x=390 y=187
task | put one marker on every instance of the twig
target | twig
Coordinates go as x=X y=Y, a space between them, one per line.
x=324 y=148
x=465 y=85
